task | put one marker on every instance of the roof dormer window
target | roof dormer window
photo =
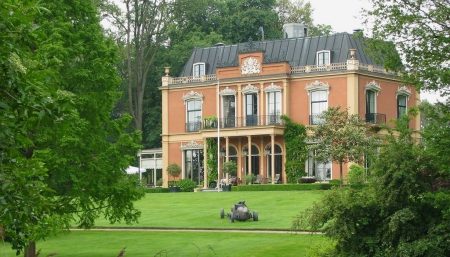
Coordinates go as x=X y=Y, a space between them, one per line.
x=198 y=69
x=323 y=57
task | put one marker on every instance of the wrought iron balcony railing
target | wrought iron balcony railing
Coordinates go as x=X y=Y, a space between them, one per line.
x=376 y=118
x=247 y=121
x=193 y=126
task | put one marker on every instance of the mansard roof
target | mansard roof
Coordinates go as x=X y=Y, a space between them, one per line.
x=297 y=51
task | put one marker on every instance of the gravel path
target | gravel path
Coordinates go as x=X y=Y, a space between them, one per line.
x=212 y=230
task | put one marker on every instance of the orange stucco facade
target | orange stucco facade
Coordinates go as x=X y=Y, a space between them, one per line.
x=184 y=141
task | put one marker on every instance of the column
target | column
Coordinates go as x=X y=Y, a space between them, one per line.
x=249 y=156
x=205 y=163
x=352 y=94
x=285 y=99
x=272 y=156
x=240 y=120
x=262 y=109
x=227 y=142
x=261 y=156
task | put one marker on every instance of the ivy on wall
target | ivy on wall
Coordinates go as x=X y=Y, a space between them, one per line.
x=296 y=149
x=211 y=161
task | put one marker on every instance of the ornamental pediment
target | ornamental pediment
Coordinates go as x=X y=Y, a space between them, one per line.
x=191 y=145
x=373 y=85
x=403 y=90
x=317 y=85
x=228 y=91
x=272 y=88
x=192 y=96
x=250 y=89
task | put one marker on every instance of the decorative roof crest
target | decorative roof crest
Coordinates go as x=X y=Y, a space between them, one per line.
x=250 y=65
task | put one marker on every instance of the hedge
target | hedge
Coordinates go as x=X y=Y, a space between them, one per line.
x=282 y=187
x=156 y=190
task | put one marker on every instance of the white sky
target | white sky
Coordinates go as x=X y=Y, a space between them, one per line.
x=345 y=16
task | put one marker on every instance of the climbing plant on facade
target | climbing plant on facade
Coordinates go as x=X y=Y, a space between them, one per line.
x=296 y=150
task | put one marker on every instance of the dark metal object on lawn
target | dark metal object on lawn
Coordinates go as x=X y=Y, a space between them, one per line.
x=240 y=212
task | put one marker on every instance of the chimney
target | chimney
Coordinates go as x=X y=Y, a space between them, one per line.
x=293 y=30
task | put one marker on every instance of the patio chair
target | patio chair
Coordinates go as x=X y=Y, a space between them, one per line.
x=259 y=179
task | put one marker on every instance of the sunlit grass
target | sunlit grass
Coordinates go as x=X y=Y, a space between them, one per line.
x=171 y=244
x=201 y=210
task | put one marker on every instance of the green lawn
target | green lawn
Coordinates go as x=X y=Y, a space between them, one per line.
x=201 y=210
x=172 y=244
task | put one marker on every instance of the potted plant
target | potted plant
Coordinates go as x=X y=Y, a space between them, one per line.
x=173 y=170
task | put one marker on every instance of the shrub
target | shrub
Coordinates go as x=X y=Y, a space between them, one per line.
x=157 y=190
x=356 y=175
x=335 y=182
x=186 y=185
x=282 y=187
x=249 y=179
x=307 y=180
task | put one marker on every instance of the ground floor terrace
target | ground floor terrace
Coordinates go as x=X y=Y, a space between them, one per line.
x=259 y=156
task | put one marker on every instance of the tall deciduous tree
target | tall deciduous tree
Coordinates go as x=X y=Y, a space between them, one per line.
x=62 y=156
x=139 y=27
x=299 y=11
x=341 y=138
x=421 y=31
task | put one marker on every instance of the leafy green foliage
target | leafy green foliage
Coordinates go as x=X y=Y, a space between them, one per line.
x=62 y=155
x=174 y=169
x=341 y=138
x=282 y=187
x=420 y=31
x=211 y=161
x=186 y=185
x=356 y=175
x=296 y=150
x=404 y=210
x=230 y=167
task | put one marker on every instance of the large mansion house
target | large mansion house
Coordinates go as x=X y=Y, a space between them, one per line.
x=238 y=93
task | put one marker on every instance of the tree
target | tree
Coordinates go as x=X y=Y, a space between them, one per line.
x=62 y=156
x=140 y=28
x=403 y=211
x=296 y=150
x=341 y=138
x=420 y=30
x=297 y=11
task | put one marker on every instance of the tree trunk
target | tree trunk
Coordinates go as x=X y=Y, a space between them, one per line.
x=30 y=250
x=340 y=175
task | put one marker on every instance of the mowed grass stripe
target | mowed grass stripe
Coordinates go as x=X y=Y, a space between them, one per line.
x=147 y=244
x=201 y=210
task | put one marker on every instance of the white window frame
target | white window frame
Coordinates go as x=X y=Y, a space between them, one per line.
x=200 y=74
x=317 y=86
x=311 y=102
x=272 y=88
x=406 y=104
x=187 y=112
x=320 y=53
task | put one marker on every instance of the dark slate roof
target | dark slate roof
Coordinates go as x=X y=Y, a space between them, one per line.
x=297 y=51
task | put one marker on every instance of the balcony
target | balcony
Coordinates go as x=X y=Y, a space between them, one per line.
x=376 y=118
x=240 y=122
x=193 y=126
